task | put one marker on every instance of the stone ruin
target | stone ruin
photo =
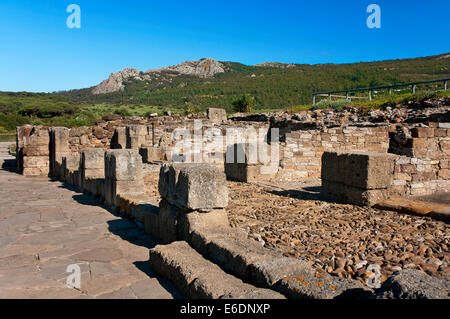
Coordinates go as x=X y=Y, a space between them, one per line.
x=363 y=164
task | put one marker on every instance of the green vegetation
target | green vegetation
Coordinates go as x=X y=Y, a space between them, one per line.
x=48 y=109
x=243 y=104
x=399 y=99
x=240 y=88
x=336 y=105
x=273 y=88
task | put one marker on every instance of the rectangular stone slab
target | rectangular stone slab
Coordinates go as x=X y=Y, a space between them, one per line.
x=198 y=278
x=193 y=186
x=123 y=165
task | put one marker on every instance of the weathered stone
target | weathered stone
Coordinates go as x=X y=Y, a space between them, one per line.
x=135 y=136
x=233 y=254
x=36 y=162
x=189 y=222
x=123 y=165
x=216 y=115
x=308 y=283
x=363 y=170
x=93 y=158
x=267 y=273
x=152 y=154
x=193 y=186
x=119 y=139
x=114 y=188
x=414 y=284
x=197 y=277
x=332 y=167
x=59 y=147
x=343 y=193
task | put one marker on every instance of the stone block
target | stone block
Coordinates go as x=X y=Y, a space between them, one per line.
x=93 y=158
x=36 y=171
x=114 y=188
x=197 y=277
x=242 y=153
x=188 y=222
x=308 y=283
x=193 y=186
x=31 y=150
x=267 y=273
x=59 y=139
x=414 y=284
x=152 y=154
x=119 y=139
x=357 y=196
x=123 y=165
x=234 y=254
x=422 y=132
x=139 y=207
x=36 y=162
x=368 y=170
x=135 y=135
x=332 y=167
x=216 y=115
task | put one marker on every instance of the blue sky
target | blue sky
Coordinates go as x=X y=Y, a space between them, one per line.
x=38 y=52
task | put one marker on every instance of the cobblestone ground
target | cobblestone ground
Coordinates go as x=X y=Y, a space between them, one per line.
x=44 y=227
x=340 y=239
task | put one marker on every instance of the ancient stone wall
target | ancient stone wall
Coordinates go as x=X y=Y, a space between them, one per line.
x=302 y=149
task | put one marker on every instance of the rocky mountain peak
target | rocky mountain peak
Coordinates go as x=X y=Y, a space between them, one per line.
x=203 y=68
x=115 y=81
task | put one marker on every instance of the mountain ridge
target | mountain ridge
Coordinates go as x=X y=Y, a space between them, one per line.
x=208 y=82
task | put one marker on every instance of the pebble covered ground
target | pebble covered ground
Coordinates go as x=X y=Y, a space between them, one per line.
x=340 y=239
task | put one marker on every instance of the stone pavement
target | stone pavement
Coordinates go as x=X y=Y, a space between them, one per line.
x=46 y=226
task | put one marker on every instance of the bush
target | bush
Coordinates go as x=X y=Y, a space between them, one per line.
x=243 y=104
x=123 y=112
x=191 y=109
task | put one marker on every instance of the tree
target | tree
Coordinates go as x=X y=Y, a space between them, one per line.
x=243 y=104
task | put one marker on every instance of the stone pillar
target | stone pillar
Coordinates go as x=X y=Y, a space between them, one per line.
x=92 y=170
x=361 y=178
x=242 y=163
x=136 y=136
x=59 y=148
x=192 y=196
x=216 y=115
x=21 y=132
x=35 y=152
x=119 y=139
x=71 y=166
x=123 y=174
x=153 y=154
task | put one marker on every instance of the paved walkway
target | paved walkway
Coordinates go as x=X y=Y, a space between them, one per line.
x=44 y=227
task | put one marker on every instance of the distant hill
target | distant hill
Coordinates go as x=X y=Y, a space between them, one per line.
x=207 y=82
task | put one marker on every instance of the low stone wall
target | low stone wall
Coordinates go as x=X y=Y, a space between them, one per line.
x=302 y=149
x=369 y=178
x=33 y=150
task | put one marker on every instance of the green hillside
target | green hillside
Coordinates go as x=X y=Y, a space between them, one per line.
x=272 y=87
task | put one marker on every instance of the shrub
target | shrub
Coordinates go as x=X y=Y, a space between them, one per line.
x=243 y=104
x=191 y=109
x=122 y=111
